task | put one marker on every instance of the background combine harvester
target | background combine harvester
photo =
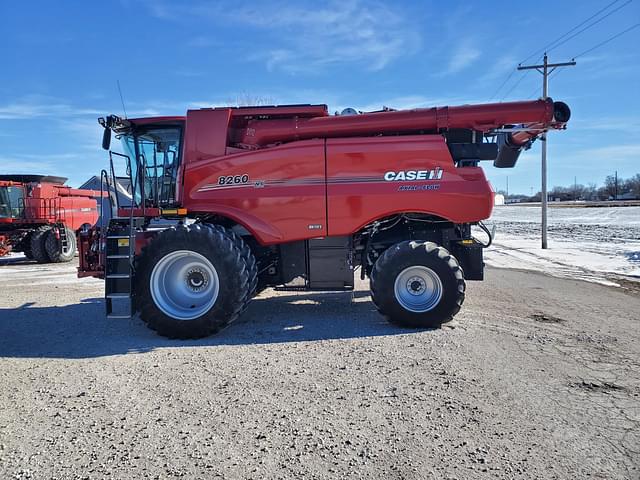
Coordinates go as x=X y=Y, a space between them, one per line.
x=290 y=197
x=40 y=216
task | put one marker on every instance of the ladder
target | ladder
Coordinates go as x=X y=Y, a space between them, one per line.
x=64 y=241
x=119 y=266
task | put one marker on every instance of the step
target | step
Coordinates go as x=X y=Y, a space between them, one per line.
x=118 y=275
x=118 y=295
x=120 y=236
x=111 y=315
x=117 y=256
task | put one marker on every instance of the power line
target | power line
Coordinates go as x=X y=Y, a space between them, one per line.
x=608 y=40
x=553 y=45
x=543 y=49
x=514 y=86
x=589 y=50
x=590 y=25
x=502 y=84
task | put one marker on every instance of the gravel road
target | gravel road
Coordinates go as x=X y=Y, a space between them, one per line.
x=538 y=378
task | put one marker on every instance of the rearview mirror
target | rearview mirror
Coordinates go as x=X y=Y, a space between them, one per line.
x=106 y=138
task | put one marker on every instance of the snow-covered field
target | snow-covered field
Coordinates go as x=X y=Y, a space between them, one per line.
x=595 y=244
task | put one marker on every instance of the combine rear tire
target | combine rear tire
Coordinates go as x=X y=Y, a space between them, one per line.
x=191 y=281
x=417 y=284
x=37 y=243
x=55 y=251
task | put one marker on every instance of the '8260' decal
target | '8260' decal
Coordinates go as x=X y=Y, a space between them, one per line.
x=233 y=179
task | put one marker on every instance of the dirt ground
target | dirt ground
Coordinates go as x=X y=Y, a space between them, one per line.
x=537 y=378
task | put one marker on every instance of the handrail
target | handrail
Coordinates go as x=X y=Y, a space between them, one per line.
x=104 y=178
x=115 y=179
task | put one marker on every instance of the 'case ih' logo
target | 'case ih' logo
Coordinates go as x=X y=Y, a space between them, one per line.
x=412 y=175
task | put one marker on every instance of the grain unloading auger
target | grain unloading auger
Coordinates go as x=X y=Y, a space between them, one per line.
x=230 y=201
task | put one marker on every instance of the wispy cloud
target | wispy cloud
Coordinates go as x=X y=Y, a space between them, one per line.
x=610 y=153
x=22 y=163
x=499 y=68
x=464 y=55
x=308 y=38
x=38 y=106
x=623 y=125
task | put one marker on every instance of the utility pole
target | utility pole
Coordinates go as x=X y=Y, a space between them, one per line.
x=575 y=189
x=616 y=197
x=506 y=200
x=545 y=69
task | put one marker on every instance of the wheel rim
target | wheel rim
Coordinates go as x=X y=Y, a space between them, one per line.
x=418 y=289
x=71 y=246
x=184 y=285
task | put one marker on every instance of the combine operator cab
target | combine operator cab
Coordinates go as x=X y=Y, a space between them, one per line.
x=151 y=157
x=149 y=160
x=11 y=202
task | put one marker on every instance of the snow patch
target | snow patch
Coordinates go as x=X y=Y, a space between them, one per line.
x=593 y=244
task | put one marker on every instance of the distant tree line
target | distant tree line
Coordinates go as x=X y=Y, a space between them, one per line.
x=614 y=188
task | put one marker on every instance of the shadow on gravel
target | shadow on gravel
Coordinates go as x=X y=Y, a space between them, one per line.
x=16 y=259
x=82 y=330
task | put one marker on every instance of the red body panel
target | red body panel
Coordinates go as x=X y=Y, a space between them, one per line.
x=358 y=192
x=50 y=203
x=53 y=203
x=284 y=199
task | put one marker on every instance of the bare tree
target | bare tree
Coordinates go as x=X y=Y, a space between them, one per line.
x=245 y=99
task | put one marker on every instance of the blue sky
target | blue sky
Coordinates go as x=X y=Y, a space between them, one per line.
x=61 y=61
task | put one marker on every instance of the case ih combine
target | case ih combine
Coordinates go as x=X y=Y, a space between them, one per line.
x=291 y=197
x=40 y=216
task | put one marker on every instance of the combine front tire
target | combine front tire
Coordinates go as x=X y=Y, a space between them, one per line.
x=37 y=243
x=56 y=252
x=417 y=284
x=192 y=281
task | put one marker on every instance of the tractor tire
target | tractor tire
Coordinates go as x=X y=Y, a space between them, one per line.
x=54 y=249
x=25 y=246
x=417 y=284
x=192 y=281
x=250 y=260
x=37 y=244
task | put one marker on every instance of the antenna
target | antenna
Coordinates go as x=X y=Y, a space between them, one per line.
x=121 y=99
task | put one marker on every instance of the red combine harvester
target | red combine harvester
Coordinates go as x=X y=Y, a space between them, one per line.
x=229 y=201
x=40 y=216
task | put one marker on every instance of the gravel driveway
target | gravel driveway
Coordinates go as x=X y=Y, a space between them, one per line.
x=538 y=377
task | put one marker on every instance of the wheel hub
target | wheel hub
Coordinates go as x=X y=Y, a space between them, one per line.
x=415 y=285
x=184 y=284
x=196 y=279
x=418 y=289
